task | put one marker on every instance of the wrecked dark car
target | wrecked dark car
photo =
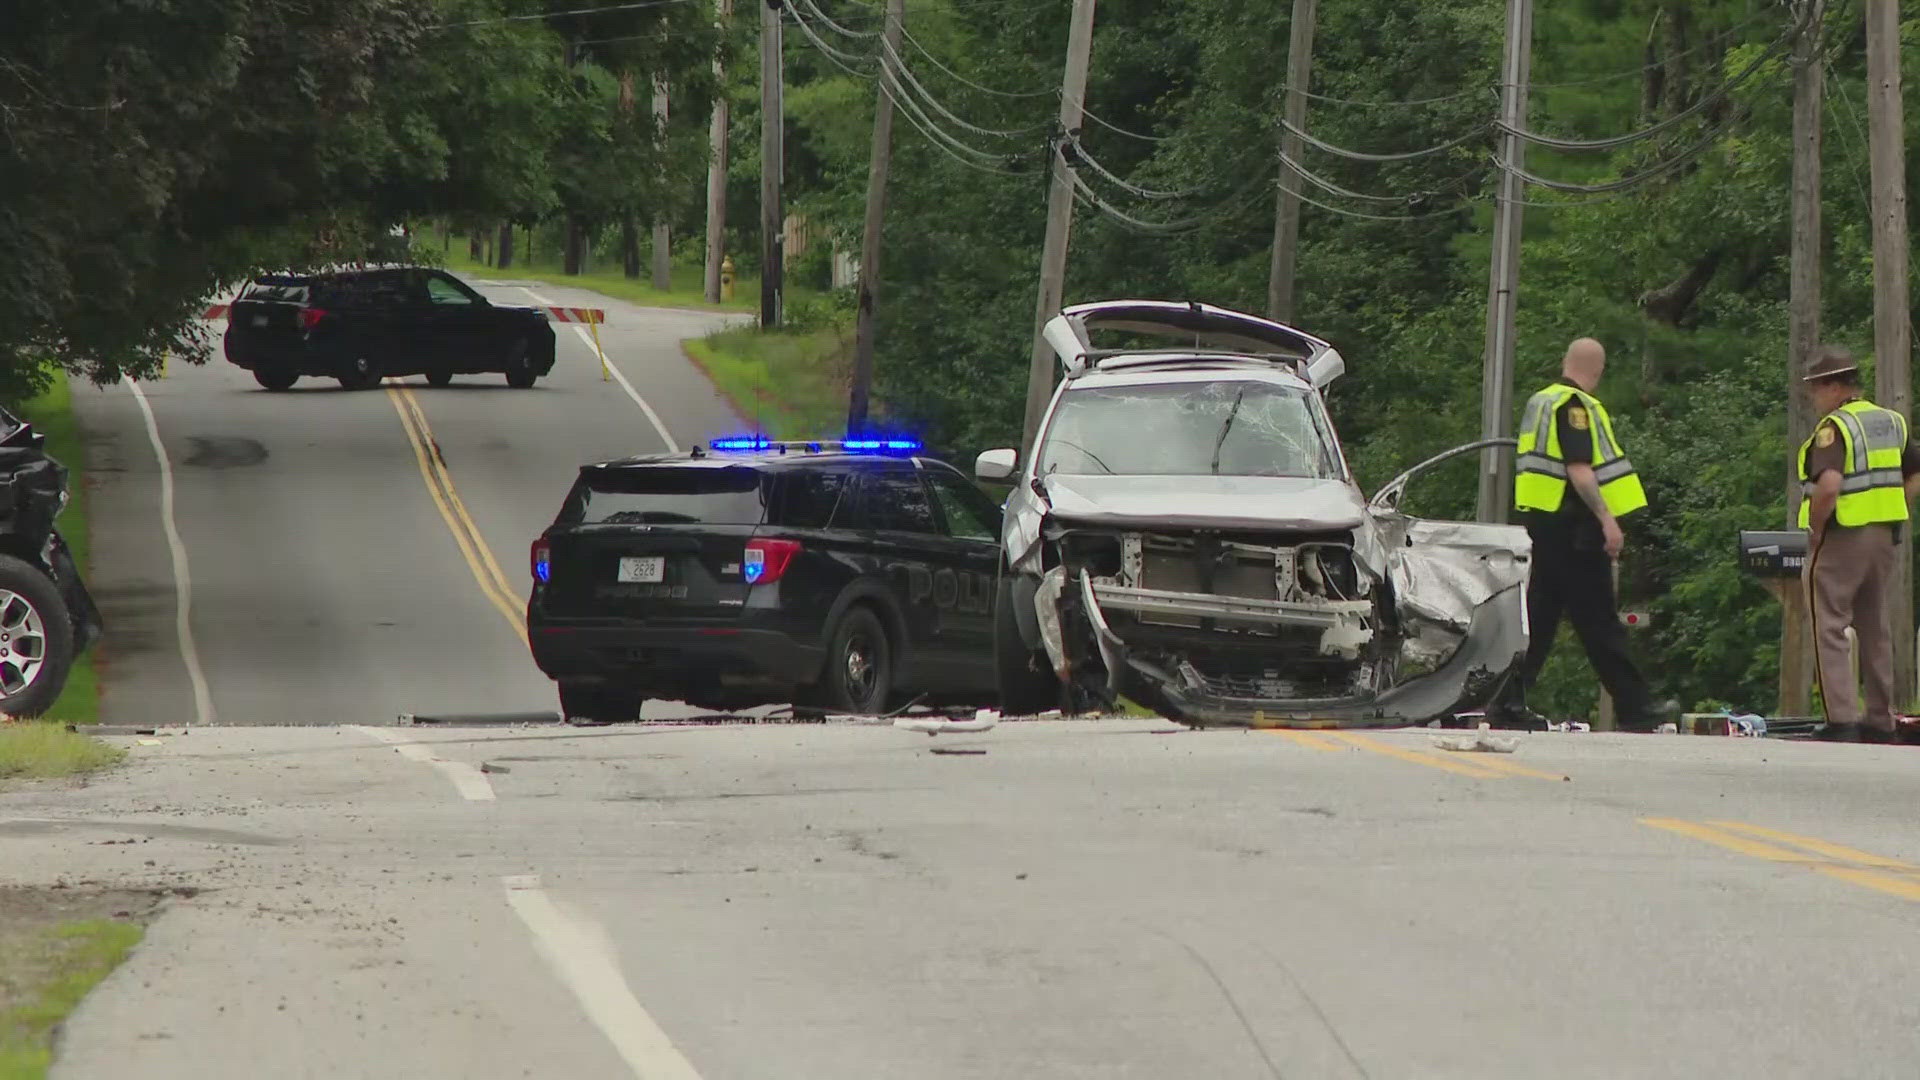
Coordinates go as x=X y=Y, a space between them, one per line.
x=47 y=617
x=1187 y=534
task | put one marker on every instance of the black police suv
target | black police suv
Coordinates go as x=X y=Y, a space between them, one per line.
x=848 y=577
x=360 y=326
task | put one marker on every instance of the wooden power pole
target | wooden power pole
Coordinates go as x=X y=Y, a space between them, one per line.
x=877 y=169
x=772 y=154
x=1053 y=253
x=1803 y=332
x=1286 y=214
x=717 y=165
x=662 y=228
x=1892 y=330
x=1496 y=387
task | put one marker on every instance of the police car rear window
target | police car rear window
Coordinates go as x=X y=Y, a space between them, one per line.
x=276 y=293
x=667 y=496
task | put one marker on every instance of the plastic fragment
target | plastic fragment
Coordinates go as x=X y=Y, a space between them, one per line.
x=983 y=720
x=1479 y=743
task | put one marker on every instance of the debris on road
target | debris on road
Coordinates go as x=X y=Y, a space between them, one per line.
x=1482 y=741
x=983 y=720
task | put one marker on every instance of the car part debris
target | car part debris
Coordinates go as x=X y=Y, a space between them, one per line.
x=983 y=720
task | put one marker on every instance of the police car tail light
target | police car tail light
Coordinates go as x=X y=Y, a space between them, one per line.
x=542 y=559
x=310 y=317
x=767 y=560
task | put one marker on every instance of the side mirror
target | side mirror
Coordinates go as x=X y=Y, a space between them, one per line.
x=1330 y=366
x=995 y=464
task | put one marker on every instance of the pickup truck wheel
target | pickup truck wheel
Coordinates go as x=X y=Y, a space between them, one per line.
x=597 y=704
x=274 y=379
x=1027 y=684
x=36 y=640
x=363 y=373
x=439 y=377
x=520 y=374
x=859 y=674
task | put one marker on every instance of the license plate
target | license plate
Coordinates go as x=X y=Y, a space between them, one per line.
x=259 y=320
x=644 y=569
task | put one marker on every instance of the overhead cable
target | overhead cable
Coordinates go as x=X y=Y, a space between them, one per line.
x=633 y=5
x=1715 y=40
x=846 y=61
x=1411 y=103
x=1088 y=113
x=1331 y=188
x=834 y=26
x=1356 y=155
x=928 y=53
x=1652 y=172
x=900 y=66
x=1080 y=154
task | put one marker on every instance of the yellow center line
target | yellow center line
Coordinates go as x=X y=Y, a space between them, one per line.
x=440 y=485
x=1312 y=740
x=502 y=583
x=1870 y=879
x=1431 y=761
x=1820 y=847
x=1494 y=761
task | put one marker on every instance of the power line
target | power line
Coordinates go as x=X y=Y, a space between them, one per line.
x=1407 y=104
x=928 y=53
x=634 y=5
x=900 y=65
x=1088 y=113
x=846 y=61
x=1651 y=173
x=1718 y=40
x=1356 y=155
x=834 y=26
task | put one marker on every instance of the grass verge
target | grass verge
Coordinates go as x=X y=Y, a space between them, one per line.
x=689 y=285
x=788 y=385
x=46 y=750
x=46 y=969
x=52 y=415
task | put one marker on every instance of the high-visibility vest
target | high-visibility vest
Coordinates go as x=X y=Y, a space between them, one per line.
x=1540 y=468
x=1872 y=488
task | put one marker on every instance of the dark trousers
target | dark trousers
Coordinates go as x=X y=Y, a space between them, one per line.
x=1572 y=576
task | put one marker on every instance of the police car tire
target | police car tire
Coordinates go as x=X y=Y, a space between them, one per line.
x=1024 y=691
x=520 y=373
x=36 y=588
x=363 y=375
x=836 y=691
x=276 y=379
x=439 y=377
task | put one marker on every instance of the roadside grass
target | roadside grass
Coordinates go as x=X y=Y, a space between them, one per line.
x=46 y=750
x=689 y=286
x=786 y=384
x=52 y=415
x=45 y=972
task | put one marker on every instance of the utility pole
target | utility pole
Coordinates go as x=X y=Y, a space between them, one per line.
x=1496 y=379
x=662 y=226
x=1286 y=214
x=1803 y=332
x=1053 y=254
x=1892 y=330
x=717 y=165
x=772 y=155
x=880 y=163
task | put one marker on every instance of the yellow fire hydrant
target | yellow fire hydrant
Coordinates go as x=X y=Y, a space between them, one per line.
x=726 y=278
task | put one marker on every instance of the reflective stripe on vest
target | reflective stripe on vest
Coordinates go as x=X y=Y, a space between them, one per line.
x=1540 y=477
x=1872 y=486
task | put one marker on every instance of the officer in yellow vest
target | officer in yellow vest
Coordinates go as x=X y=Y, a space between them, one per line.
x=1858 y=473
x=1572 y=485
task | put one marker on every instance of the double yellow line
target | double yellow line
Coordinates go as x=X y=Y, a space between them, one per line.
x=1478 y=766
x=494 y=584
x=1862 y=868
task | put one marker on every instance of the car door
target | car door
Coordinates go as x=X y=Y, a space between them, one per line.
x=459 y=324
x=903 y=529
x=970 y=526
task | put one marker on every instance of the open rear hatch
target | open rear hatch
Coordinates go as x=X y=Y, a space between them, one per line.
x=656 y=543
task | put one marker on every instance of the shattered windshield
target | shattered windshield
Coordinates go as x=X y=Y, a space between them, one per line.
x=1228 y=428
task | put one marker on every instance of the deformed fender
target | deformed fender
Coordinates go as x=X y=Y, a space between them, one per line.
x=1495 y=645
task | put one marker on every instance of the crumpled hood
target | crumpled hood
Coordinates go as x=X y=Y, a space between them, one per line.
x=1206 y=502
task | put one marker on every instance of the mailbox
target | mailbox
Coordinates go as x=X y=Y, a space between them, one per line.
x=1773 y=554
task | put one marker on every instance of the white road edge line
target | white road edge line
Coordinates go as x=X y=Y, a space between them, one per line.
x=583 y=958
x=471 y=783
x=658 y=425
x=182 y=580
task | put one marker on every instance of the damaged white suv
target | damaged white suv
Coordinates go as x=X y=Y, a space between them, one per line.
x=1186 y=534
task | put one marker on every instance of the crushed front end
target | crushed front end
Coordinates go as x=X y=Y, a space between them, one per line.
x=1384 y=624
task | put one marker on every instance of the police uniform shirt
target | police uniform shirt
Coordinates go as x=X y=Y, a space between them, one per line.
x=1829 y=454
x=1574 y=426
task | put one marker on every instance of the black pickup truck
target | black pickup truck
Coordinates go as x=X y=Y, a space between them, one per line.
x=361 y=326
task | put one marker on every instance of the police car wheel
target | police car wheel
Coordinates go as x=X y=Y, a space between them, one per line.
x=363 y=373
x=439 y=377
x=275 y=378
x=520 y=373
x=1027 y=686
x=859 y=672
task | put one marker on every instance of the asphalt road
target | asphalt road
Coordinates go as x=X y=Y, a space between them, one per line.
x=1044 y=900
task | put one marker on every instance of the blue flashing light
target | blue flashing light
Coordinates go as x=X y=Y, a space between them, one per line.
x=882 y=444
x=755 y=565
x=543 y=570
x=745 y=442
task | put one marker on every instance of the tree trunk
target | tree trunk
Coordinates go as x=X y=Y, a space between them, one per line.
x=506 y=244
x=1671 y=303
x=630 y=247
x=1652 y=85
x=576 y=246
x=1679 y=26
x=476 y=248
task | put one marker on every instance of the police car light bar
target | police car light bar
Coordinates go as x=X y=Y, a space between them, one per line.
x=760 y=443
